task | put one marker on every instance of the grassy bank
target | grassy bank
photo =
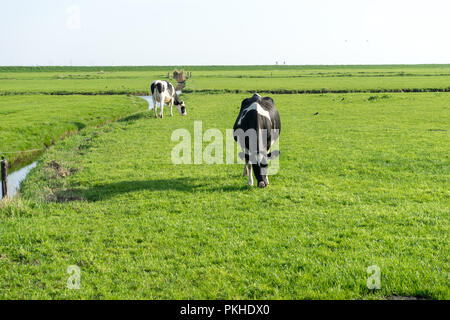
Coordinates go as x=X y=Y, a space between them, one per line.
x=34 y=122
x=364 y=182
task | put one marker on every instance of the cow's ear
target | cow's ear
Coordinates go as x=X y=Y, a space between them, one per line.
x=274 y=154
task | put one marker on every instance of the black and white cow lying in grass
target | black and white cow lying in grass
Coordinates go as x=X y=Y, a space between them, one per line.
x=256 y=128
x=164 y=92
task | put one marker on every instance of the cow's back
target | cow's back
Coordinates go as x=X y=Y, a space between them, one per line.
x=268 y=105
x=257 y=114
x=160 y=86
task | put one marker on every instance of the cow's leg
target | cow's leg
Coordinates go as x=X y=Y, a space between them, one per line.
x=264 y=169
x=161 y=112
x=155 y=107
x=249 y=168
x=250 y=175
x=264 y=182
x=247 y=165
x=171 y=104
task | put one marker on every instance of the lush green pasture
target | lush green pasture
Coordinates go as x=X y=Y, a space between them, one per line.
x=8 y=73
x=364 y=182
x=290 y=79
x=35 y=121
x=315 y=84
x=141 y=86
x=81 y=85
x=326 y=71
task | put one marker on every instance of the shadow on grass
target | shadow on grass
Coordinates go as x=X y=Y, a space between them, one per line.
x=106 y=191
x=134 y=117
x=182 y=185
x=79 y=125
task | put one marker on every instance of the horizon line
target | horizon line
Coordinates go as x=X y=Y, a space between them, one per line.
x=227 y=65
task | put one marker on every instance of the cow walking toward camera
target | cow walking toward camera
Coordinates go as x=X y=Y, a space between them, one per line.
x=164 y=92
x=256 y=128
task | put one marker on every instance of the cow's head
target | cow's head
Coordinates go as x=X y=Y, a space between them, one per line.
x=260 y=165
x=181 y=108
x=260 y=168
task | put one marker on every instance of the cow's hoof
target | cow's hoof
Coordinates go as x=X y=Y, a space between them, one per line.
x=261 y=184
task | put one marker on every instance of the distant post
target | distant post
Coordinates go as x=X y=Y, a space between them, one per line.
x=4 y=175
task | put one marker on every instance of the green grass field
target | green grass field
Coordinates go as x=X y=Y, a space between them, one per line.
x=364 y=182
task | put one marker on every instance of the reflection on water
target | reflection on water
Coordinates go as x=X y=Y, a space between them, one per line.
x=150 y=100
x=15 y=178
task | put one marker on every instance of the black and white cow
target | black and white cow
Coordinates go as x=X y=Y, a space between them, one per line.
x=164 y=92
x=256 y=128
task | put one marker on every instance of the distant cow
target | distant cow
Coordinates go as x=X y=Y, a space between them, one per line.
x=164 y=92
x=256 y=128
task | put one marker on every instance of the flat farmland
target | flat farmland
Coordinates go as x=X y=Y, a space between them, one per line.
x=271 y=79
x=321 y=84
x=363 y=181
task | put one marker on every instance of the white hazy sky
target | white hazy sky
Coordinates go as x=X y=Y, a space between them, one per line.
x=199 y=32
